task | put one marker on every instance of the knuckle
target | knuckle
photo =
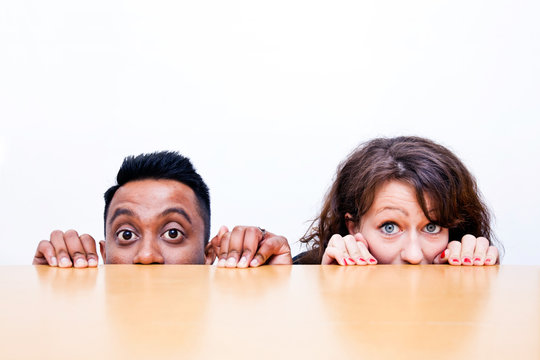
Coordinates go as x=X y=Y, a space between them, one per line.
x=238 y=228
x=247 y=253
x=86 y=237
x=468 y=238
x=43 y=244
x=234 y=252
x=77 y=254
x=71 y=233
x=482 y=241
x=56 y=233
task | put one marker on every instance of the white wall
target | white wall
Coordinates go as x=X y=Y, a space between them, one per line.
x=265 y=98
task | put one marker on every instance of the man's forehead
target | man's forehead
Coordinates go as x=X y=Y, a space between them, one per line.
x=155 y=195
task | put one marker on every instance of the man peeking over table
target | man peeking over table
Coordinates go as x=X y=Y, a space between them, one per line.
x=159 y=213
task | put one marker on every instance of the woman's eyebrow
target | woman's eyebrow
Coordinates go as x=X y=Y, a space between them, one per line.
x=394 y=209
x=120 y=211
x=177 y=210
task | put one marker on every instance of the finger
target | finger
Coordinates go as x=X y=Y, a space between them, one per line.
x=236 y=244
x=442 y=258
x=364 y=249
x=75 y=249
x=335 y=251
x=480 y=251
x=57 y=241
x=274 y=247
x=468 y=244
x=213 y=248
x=253 y=238
x=45 y=254
x=355 y=255
x=454 y=253
x=492 y=256
x=224 y=249
x=89 y=246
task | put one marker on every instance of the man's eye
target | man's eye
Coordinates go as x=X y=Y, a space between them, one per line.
x=173 y=234
x=432 y=228
x=126 y=235
x=389 y=228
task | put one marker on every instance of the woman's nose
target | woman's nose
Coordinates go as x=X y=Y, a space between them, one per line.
x=148 y=253
x=412 y=251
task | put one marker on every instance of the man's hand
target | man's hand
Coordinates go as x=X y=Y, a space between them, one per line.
x=247 y=246
x=66 y=250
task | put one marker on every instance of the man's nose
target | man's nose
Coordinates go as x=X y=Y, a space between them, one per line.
x=148 y=253
x=412 y=252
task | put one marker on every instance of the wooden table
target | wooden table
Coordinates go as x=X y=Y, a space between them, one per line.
x=279 y=312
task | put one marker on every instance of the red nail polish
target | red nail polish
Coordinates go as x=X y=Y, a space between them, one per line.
x=467 y=260
x=351 y=260
x=477 y=259
x=372 y=260
x=443 y=254
x=345 y=261
x=362 y=259
x=455 y=260
x=488 y=261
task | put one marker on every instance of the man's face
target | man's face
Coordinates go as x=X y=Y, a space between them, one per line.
x=153 y=222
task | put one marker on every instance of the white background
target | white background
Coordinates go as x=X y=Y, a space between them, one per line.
x=266 y=98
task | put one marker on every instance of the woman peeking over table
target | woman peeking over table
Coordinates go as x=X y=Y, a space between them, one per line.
x=403 y=200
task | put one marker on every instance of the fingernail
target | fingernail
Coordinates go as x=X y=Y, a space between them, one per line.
x=477 y=259
x=64 y=262
x=254 y=262
x=456 y=261
x=361 y=259
x=231 y=262
x=488 y=261
x=345 y=261
x=53 y=261
x=222 y=263
x=467 y=261
x=443 y=254
x=92 y=262
x=351 y=260
x=242 y=262
x=80 y=263
x=372 y=261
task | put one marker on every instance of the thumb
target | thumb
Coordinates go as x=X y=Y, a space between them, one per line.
x=359 y=237
x=442 y=258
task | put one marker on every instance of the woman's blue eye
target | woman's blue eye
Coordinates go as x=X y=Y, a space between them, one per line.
x=432 y=228
x=389 y=228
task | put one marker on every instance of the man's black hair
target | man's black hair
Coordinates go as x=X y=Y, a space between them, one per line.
x=167 y=165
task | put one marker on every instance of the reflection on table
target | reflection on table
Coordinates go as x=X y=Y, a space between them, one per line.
x=124 y=311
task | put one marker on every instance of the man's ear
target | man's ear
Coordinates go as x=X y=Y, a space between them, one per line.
x=102 y=251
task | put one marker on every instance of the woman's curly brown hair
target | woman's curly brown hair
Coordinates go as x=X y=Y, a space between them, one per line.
x=430 y=168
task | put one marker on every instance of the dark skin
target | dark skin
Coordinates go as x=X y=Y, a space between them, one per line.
x=158 y=222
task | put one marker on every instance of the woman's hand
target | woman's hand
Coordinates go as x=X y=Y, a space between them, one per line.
x=348 y=250
x=470 y=251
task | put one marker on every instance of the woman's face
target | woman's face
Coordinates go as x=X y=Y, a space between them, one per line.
x=396 y=229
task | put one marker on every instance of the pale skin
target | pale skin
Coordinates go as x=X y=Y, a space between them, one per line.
x=396 y=231
x=158 y=222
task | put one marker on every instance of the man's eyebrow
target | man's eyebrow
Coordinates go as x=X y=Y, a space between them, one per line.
x=120 y=211
x=393 y=208
x=179 y=211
